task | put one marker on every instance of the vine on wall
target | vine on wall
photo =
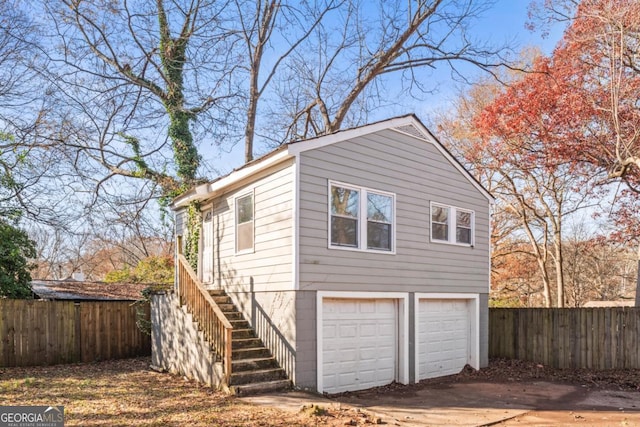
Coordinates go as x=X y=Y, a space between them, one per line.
x=194 y=220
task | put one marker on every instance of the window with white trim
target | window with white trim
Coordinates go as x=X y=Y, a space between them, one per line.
x=450 y=224
x=244 y=223
x=361 y=218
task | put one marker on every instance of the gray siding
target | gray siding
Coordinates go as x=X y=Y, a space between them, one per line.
x=484 y=330
x=418 y=174
x=306 y=349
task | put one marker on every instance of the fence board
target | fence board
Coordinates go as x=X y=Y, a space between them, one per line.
x=51 y=332
x=595 y=338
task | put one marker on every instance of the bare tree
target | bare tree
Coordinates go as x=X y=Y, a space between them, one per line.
x=369 y=44
x=140 y=79
x=259 y=20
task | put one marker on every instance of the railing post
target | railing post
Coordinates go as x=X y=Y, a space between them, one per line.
x=227 y=354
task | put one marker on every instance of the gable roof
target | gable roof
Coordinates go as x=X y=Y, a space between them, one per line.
x=408 y=125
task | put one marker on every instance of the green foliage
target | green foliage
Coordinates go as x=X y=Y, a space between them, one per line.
x=499 y=302
x=15 y=250
x=141 y=166
x=173 y=55
x=119 y=276
x=157 y=270
x=194 y=220
x=184 y=150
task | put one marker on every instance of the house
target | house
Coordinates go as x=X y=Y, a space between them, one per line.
x=80 y=290
x=615 y=303
x=359 y=258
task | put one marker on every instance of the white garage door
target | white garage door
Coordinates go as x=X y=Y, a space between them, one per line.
x=359 y=343
x=443 y=337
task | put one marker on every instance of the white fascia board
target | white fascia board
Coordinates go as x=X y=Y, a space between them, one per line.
x=206 y=191
x=323 y=141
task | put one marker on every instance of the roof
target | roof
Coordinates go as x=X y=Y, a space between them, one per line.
x=87 y=291
x=408 y=125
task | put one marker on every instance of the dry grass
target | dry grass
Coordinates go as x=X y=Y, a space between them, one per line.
x=127 y=393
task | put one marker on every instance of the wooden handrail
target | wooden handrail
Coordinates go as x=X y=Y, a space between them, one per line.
x=215 y=326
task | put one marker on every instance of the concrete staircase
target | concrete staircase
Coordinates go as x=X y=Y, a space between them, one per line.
x=254 y=370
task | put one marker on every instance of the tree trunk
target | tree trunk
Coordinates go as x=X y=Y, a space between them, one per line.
x=546 y=283
x=638 y=283
x=559 y=272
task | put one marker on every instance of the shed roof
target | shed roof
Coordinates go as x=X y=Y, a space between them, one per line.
x=616 y=303
x=87 y=291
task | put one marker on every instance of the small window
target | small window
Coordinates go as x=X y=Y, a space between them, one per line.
x=349 y=206
x=244 y=223
x=440 y=223
x=451 y=225
x=379 y=220
x=463 y=227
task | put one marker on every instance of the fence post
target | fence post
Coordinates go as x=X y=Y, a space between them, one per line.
x=78 y=330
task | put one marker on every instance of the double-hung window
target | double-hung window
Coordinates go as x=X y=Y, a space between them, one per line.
x=361 y=218
x=450 y=224
x=244 y=223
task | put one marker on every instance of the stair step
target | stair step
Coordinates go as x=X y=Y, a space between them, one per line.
x=240 y=324
x=233 y=315
x=261 y=387
x=245 y=343
x=258 y=363
x=227 y=308
x=222 y=300
x=254 y=376
x=254 y=370
x=250 y=353
x=243 y=333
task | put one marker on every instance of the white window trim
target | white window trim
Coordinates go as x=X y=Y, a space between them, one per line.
x=235 y=221
x=362 y=219
x=452 y=225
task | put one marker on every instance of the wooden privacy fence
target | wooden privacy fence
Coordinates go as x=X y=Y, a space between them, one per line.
x=593 y=338
x=34 y=332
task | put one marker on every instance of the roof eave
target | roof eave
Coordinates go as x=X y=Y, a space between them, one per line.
x=211 y=189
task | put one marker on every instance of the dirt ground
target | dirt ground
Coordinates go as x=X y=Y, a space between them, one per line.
x=128 y=393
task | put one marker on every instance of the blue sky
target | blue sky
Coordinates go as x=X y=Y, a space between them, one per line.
x=504 y=23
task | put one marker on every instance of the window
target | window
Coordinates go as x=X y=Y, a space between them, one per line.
x=379 y=214
x=361 y=218
x=244 y=223
x=451 y=225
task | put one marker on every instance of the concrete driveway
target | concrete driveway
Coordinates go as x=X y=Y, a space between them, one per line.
x=480 y=403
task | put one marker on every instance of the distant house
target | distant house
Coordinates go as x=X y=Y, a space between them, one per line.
x=56 y=290
x=358 y=259
x=617 y=303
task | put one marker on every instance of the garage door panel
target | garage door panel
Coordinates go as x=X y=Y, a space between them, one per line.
x=443 y=337
x=361 y=349
x=347 y=331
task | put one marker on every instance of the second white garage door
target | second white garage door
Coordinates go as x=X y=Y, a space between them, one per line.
x=443 y=337
x=359 y=343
